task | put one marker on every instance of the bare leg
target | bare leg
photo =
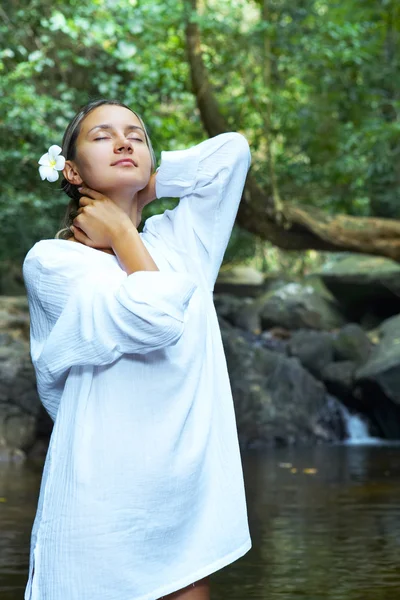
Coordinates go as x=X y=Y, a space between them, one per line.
x=199 y=590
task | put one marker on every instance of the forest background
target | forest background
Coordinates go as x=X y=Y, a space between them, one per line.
x=313 y=85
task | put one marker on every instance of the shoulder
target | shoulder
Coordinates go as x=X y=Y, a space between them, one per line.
x=52 y=249
x=55 y=256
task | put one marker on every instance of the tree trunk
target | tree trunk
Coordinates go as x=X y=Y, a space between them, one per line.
x=287 y=225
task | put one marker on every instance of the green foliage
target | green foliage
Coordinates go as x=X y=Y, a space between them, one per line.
x=329 y=75
x=315 y=81
x=54 y=60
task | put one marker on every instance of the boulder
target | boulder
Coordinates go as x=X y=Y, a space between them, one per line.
x=338 y=378
x=383 y=365
x=247 y=317
x=378 y=380
x=296 y=306
x=363 y=283
x=241 y=281
x=331 y=424
x=19 y=401
x=277 y=402
x=227 y=306
x=314 y=349
x=241 y=312
x=351 y=343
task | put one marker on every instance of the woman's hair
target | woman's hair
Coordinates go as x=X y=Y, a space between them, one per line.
x=69 y=151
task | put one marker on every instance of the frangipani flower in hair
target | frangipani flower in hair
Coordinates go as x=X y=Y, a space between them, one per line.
x=51 y=163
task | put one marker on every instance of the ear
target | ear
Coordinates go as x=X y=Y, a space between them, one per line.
x=71 y=173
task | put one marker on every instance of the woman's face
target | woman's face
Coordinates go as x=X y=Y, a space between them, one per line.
x=108 y=134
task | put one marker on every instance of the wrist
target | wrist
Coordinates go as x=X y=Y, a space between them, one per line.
x=131 y=253
x=121 y=233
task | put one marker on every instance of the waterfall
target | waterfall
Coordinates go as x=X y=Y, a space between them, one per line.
x=357 y=428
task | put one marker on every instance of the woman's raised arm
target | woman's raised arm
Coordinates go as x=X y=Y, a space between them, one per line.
x=208 y=179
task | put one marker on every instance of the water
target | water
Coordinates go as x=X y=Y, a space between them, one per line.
x=325 y=524
x=357 y=428
x=358 y=431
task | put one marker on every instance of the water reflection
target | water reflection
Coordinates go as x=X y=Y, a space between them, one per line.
x=331 y=533
x=19 y=491
x=325 y=523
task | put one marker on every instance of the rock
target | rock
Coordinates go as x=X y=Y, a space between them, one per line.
x=247 y=316
x=319 y=287
x=314 y=349
x=11 y=454
x=352 y=343
x=11 y=280
x=364 y=283
x=39 y=449
x=295 y=306
x=17 y=428
x=383 y=365
x=276 y=400
x=240 y=312
x=274 y=339
x=240 y=281
x=378 y=380
x=338 y=378
x=227 y=306
x=241 y=274
x=19 y=401
x=329 y=423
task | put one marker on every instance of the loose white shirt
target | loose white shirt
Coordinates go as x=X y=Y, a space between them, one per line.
x=142 y=491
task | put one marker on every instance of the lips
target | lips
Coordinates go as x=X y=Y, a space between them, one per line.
x=125 y=160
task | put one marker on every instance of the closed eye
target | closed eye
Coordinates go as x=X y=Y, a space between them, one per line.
x=106 y=138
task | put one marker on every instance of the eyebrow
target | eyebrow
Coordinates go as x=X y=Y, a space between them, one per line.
x=108 y=126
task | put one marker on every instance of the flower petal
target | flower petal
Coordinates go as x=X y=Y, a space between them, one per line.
x=53 y=176
x=54 y=151
x=44 y=159
x=48 y=173
x=44 y=171
x=60 y=163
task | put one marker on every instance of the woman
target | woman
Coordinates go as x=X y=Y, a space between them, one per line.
x=142 y=494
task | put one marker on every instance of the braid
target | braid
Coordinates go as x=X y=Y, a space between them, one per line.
x=70 y=214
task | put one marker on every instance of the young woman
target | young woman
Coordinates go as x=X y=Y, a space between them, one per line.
x=142 y=494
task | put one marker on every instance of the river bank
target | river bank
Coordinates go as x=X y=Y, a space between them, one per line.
x=303 y=357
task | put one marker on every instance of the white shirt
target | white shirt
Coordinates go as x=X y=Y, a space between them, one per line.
x=142 y=490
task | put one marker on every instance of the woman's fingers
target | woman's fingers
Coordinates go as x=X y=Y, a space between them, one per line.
x=80 y=235
x=85 y=200
x=93 y=194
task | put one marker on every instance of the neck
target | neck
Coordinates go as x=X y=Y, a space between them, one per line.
x=127 y=201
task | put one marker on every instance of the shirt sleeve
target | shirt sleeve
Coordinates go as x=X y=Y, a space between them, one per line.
x=82 y=316
x=208 y=179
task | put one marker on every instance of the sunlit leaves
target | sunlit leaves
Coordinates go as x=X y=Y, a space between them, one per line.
x=332 y=92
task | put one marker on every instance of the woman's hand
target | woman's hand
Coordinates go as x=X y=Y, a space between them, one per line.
x=99 y=220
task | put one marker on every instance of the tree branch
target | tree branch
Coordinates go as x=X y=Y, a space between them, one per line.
x=295 y=227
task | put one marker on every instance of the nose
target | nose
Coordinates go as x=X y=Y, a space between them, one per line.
x=123 y=143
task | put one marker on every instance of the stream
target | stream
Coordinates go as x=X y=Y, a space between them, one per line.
x=324 y=520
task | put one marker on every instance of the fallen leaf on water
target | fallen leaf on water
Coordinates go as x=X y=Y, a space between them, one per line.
x=293 y=470
x=285 y=465
x=3 y=499
x=310 y=471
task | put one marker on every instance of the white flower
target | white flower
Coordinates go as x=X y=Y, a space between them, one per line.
x=51 y=163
